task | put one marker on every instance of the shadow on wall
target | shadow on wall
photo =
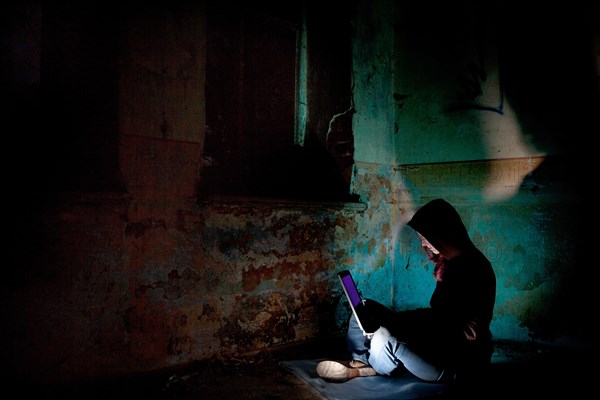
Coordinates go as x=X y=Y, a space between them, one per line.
x=548 y=74
x=550 y=80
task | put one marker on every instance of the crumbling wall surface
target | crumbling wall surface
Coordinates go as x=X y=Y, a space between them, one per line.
x=122 y=287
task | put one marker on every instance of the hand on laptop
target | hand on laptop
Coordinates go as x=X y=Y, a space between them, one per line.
x=369 y=314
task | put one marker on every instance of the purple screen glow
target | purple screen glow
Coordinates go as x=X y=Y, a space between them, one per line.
x=348 y=283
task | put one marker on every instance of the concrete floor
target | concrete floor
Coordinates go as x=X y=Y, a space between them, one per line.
x=518 y=371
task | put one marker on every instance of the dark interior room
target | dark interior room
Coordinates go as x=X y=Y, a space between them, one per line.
x=189 y=177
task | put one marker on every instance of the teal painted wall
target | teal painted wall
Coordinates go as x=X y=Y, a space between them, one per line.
x=372 y=48
x=473 y=103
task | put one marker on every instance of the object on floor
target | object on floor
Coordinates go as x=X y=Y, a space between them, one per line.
x=404 y=386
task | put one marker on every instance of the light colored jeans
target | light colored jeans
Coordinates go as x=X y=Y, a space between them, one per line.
x=385 y=354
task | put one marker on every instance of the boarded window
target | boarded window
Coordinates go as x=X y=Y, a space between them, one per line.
x=252 y=100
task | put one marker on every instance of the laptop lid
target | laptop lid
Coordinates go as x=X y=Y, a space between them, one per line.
x=353 y=296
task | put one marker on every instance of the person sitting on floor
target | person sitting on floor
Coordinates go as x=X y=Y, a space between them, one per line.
x=446 y=342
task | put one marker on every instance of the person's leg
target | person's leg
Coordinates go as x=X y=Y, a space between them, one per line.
x=357 y=342
x=358 y=348
x=387 y=353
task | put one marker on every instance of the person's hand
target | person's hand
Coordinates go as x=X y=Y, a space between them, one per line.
x=368 y=312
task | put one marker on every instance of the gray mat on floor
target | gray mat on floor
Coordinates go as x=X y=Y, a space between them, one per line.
x=401 y=387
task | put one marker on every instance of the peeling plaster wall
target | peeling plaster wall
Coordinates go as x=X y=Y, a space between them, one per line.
x=121 y=291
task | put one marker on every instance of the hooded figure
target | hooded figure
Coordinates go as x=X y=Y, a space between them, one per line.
x=440 y=224
x=448 y=341
x=463 y=301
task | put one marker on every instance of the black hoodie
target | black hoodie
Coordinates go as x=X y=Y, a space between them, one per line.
x=462 y=303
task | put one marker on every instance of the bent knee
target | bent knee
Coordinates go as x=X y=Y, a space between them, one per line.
x=380 y=338
x=380 y=356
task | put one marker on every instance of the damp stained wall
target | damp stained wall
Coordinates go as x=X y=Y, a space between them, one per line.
x=141 y=276
x=490 y=108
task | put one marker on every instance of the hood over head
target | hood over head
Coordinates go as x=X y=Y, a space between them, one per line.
x=439 y=222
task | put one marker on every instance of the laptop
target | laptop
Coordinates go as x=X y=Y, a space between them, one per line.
x=353 y=296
